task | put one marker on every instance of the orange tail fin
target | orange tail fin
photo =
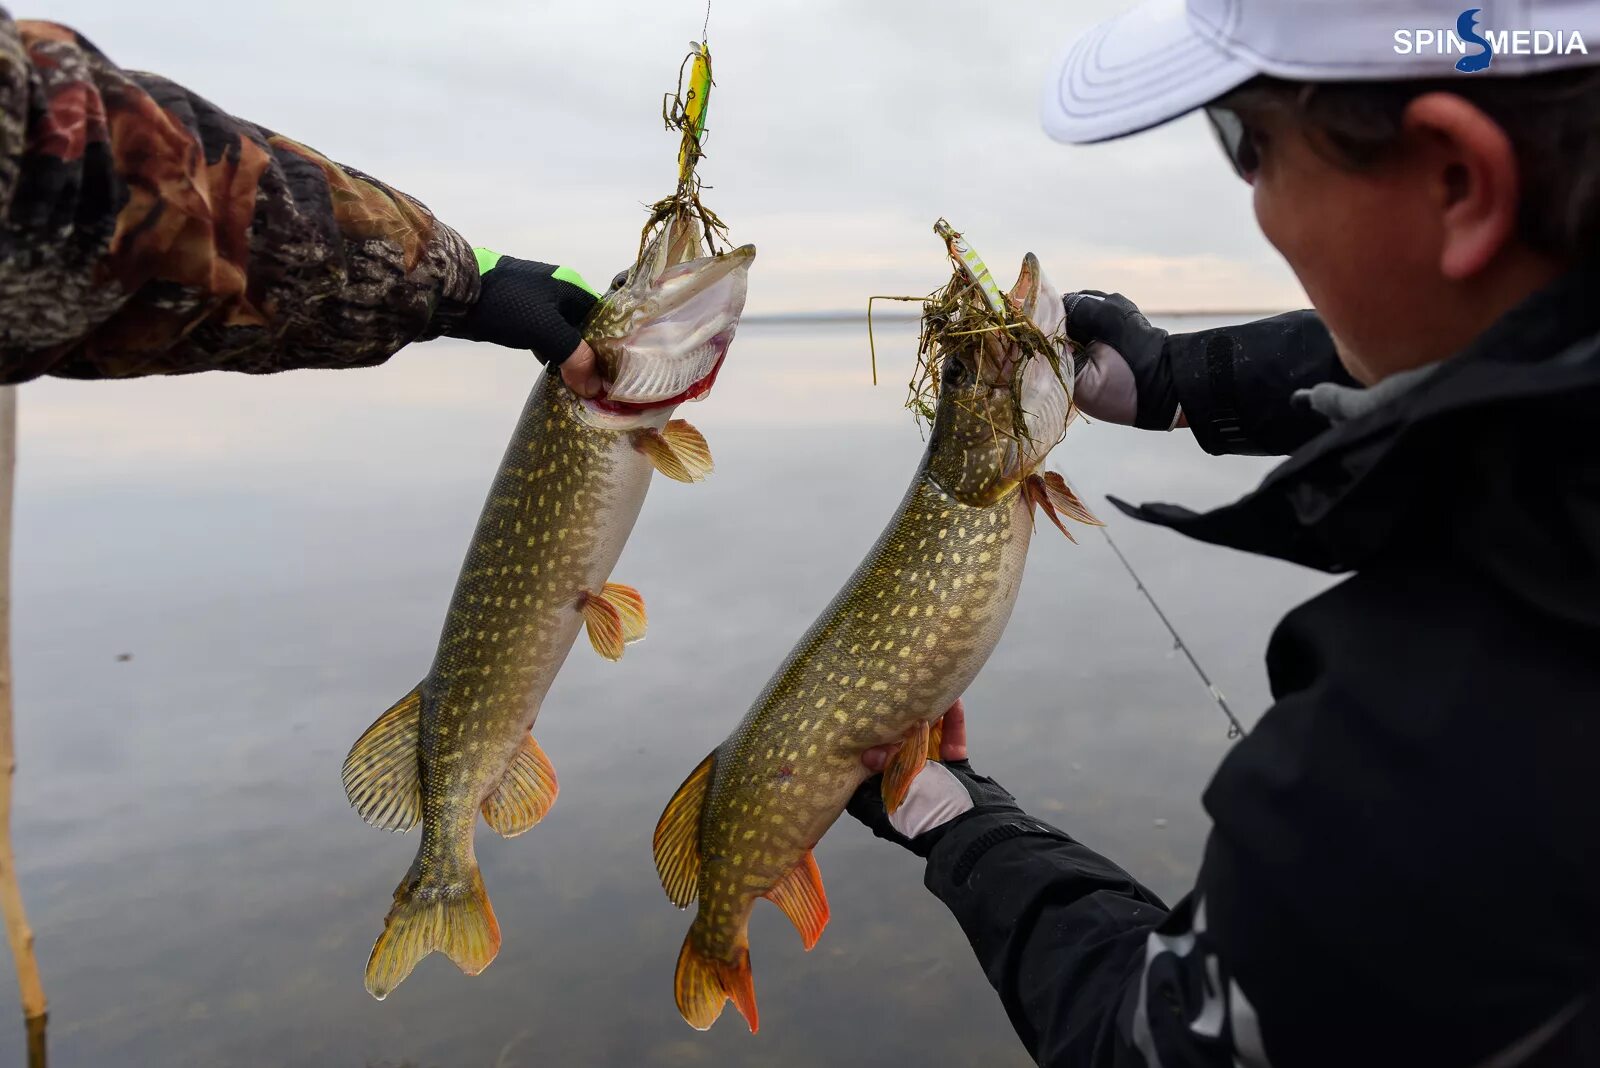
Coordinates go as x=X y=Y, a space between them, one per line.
x=702 y=984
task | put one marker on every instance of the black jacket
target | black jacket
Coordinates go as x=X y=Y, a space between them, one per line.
x=1404 y=867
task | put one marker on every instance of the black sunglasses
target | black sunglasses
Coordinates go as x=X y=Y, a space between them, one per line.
x=1238 y=144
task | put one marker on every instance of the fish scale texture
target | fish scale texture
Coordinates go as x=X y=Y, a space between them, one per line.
x=556 y=518
x=899 y=642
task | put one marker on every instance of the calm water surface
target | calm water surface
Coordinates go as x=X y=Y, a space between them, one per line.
x=276 y=555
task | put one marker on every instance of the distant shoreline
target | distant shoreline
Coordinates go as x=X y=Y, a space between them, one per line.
x=814 y=318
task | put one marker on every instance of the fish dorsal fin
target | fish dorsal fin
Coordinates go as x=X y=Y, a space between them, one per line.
x=677 y=450
x=380 y=772
x=799 y=894
x=677 y=837
x=525 y=794
x=629 y=604
x=906 y=764
x=1052 y=494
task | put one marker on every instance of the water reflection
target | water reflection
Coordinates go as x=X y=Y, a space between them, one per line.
x=276 y=555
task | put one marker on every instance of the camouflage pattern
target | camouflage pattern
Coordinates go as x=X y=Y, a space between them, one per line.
x=145 y=231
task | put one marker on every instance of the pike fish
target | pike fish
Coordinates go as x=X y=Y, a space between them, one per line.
x=897 y=645
x=539 y=566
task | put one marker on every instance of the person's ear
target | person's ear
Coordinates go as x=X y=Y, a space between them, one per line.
x=1474 y=183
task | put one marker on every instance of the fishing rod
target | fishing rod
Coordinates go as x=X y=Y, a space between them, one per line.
x=1235 y=728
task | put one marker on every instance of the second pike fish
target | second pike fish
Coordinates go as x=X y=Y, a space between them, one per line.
x=898 y=644
x=539 y=567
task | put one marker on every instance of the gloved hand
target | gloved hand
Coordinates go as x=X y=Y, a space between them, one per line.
x=1128 y=378
x=939 y=796
x=524 y=304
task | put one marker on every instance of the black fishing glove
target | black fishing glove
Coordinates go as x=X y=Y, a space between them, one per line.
x=524 y=304
x=1128 y=378
x=941 y=796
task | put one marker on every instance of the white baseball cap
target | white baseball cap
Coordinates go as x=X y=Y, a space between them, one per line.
x=1165 y=58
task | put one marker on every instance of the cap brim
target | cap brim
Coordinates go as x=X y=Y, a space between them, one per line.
x=1138 y=70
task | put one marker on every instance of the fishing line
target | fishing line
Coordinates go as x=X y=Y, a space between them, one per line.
x=1235 y=728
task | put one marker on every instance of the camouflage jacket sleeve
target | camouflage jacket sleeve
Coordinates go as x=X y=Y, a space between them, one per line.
x=145 y=231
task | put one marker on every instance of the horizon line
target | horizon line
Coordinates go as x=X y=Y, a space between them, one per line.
x=840 y=315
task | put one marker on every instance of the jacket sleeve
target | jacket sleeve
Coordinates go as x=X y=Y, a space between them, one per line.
x=1236 y=383
x=145 y=231
x=1091 y=967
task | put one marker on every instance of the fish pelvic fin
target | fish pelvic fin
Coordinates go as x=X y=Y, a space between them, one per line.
x=702 y=984
x=800 y=895
x=936 y=739
x=629 y=604
x=906 y=764
x=1050 y=493
x=603 y=623
x=455 y=919
x=381 y=776
x=677 y=450
x=677 y=838
x=525 y=794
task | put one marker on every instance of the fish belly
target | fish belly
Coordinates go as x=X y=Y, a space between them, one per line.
x=558 y=515
x=899 y=643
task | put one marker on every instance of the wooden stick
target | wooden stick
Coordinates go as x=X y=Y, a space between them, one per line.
x=18 y=933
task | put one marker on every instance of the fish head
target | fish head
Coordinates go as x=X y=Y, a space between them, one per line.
x=661 y=335
x=1004 y=402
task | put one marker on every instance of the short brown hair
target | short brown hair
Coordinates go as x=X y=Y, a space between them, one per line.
x=1553 y=121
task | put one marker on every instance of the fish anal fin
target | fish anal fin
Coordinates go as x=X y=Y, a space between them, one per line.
x=456 y=920
x=677 y=450
x=800 y=895
x=906 y=764
x=677 y=839
x=525 y=794
x=381 y=776
x=603 y=623
x=629 y=604
x=702 y=984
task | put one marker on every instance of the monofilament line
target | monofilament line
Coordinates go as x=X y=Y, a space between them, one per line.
x=1235 y=728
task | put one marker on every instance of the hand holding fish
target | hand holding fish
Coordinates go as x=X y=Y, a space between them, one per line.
x=946 y=790
x=524 y=304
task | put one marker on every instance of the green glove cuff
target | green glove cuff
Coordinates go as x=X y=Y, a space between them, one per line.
x=488 y=258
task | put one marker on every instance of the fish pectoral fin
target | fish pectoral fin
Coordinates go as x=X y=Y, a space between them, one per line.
x=936 y=739
x=603 y=623
x=1051 y=492
x=906 y=764
x=799 y=894
x=629 y=604
x=456 y=920
x=677 y=839
x=380 y=772
x=525 y=794
x=677 y=450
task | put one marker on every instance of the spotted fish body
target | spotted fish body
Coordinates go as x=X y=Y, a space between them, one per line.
x=898 y=644
x=562 y=505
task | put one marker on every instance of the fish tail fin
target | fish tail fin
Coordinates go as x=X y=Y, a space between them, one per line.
x=455 y=919
x=702 y=984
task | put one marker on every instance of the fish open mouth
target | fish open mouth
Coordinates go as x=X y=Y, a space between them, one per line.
x=607 y=401
x=669 y=330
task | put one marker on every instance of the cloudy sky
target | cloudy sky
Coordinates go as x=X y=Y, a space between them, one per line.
x=839 y=132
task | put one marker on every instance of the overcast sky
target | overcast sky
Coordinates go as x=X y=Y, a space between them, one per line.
x=839 y=132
